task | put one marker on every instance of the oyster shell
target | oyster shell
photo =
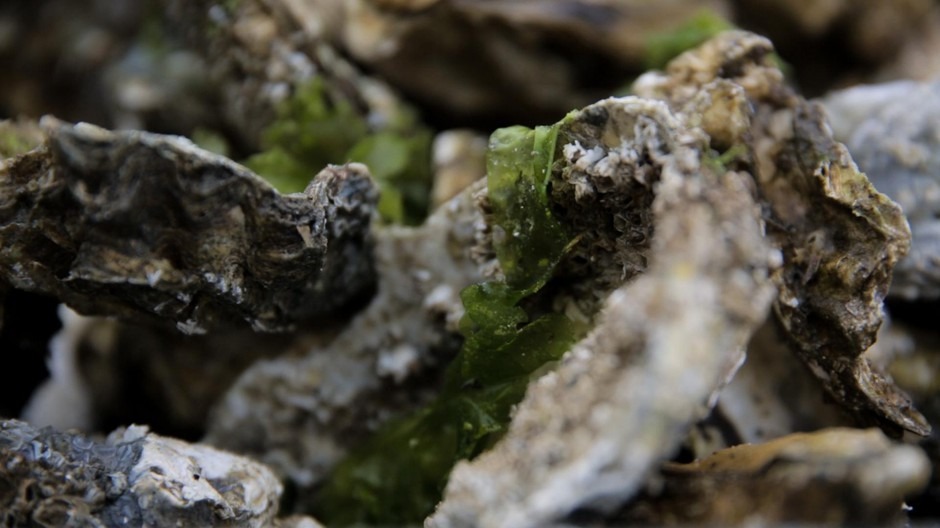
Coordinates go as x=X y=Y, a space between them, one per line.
x=151 y=227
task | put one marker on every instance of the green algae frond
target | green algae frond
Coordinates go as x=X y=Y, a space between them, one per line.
x=398 y=476
x=12 y=145
x=663 y=47
x=210 y=140
x=18 y=138
x=312 y=131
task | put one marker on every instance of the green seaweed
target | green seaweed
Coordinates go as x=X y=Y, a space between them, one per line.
x=313 y=130
x=663 y=47
x=720 y=162
x=210 y=140
x=16 y=140
x=399 y=474
x=12 y=145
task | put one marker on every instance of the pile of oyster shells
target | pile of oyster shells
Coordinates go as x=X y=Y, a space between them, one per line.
x=758 y=271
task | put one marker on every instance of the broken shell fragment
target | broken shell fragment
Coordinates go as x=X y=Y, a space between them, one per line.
x=843 y=476
x=134 y=478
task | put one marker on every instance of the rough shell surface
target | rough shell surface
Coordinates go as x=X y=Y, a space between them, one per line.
x=893 y=133
x=839 y=238
x=150 y=227
x=134 y=478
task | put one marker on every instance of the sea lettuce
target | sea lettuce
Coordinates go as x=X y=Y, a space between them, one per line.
x=312 y=130
x=665 y=46
x=398 y=476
